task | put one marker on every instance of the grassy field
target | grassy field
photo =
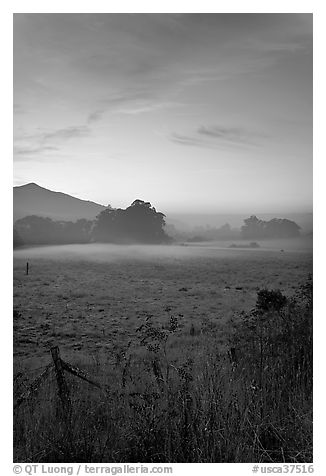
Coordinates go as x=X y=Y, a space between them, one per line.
x=110 y=310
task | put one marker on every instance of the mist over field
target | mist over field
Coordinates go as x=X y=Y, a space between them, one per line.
x=112 y=252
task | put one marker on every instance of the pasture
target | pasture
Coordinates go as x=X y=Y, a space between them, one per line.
x=91 y=298
x=93 y=301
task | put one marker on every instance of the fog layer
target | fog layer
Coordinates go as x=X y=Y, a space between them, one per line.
x=111 y=252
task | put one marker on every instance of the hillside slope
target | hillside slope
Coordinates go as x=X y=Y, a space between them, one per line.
x=31 y=199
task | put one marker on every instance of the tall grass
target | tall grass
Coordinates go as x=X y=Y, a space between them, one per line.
x=184 y=398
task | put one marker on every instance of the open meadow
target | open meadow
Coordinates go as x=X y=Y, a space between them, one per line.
x=156 y=326
x=92 y=298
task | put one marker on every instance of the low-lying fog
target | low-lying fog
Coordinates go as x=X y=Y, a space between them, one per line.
x=112 y=252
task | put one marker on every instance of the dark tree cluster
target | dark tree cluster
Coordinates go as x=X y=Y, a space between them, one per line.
x=275 y=228
x=41 y=230
x=139 y=223
x=17 y=239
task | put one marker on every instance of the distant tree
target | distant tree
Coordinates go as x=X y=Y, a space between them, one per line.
x=42 y=230
x=275 y=228
x=224 y=232
x=208 y=233
x=225 y=228
x=107 y=226
x=253 y=228
x=139 y=223
x=17 y=239
x=281 y=228
x=37 y=230
x=77 y=232
x=172 y=231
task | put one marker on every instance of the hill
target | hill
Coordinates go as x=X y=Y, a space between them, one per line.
x=31 y=199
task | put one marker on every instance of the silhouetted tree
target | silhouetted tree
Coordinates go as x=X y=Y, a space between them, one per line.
x=281 y=228
x=17 y=239
x=77 y=232
x=37 y=230
x=42 y=230
x=253 y=228
x=139 y=223
x=275 y=228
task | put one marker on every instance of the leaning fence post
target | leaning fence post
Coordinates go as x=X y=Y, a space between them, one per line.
x=62 y=384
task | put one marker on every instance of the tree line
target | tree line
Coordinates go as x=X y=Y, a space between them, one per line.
x=276 y=228
x=138 y=223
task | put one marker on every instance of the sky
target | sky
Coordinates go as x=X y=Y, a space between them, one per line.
x=204 y=113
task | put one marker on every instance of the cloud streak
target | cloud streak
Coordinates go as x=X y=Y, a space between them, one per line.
x=216 y=137
x=187 y=140
x=232 y=135
x=22 y=153
x=26 y=147
x=66 y=133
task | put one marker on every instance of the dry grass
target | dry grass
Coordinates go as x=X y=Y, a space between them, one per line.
x=174 y=393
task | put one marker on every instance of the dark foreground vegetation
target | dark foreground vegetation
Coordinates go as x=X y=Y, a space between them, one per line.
x=171 y=398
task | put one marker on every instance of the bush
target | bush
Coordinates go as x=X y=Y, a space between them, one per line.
x=270 y=300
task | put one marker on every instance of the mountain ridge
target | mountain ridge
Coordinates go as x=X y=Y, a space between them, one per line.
x=32 y=199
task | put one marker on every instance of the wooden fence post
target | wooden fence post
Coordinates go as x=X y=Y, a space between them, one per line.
x=27 y=266
x=62 y=384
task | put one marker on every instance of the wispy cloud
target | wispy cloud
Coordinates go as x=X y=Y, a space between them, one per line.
x=216 y=137
x=137 y=101
x=235 y=135
x=181 y=139
x=140 y=107
x=29 y=146
x=131 y=102
x=55 y=135
x=22 y=153
x=67 y=133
